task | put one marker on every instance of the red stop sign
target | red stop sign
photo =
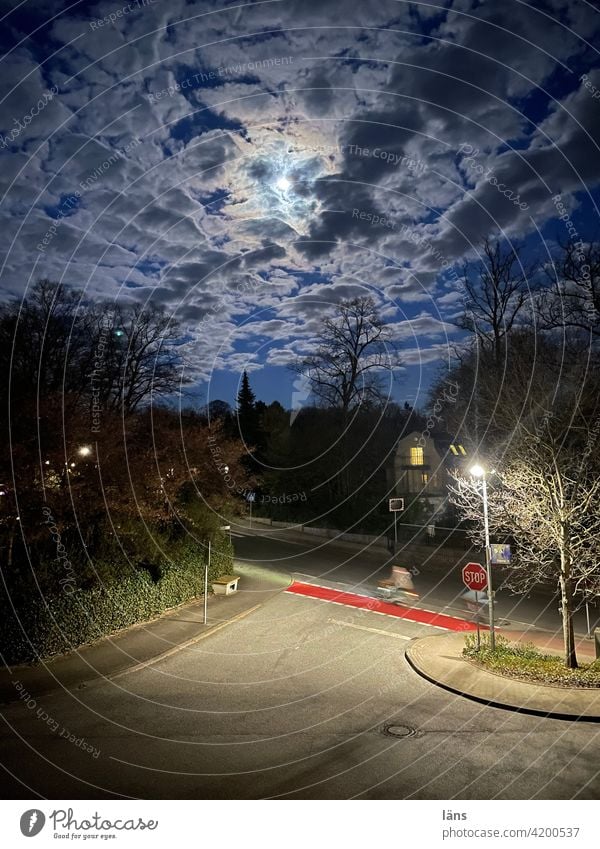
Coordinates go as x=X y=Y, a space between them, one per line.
x=474 y=577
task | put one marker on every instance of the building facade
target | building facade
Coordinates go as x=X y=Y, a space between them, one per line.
x=420 y=470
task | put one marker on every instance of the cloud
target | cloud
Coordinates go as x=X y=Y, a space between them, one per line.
x=364 y=111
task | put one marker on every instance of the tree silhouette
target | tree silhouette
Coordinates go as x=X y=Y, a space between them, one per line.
x=246 y=412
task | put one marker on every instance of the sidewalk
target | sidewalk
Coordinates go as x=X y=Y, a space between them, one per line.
x=146 y=642
x=439 y=660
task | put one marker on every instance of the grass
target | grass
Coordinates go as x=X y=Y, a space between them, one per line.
x=527 y=663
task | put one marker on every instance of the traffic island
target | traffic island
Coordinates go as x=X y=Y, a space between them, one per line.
x=526 y=662
x=440 y=660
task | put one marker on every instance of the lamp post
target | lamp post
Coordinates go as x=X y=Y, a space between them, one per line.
x=206 y=568
x=479 y=472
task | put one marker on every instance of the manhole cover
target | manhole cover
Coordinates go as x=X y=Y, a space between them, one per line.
x=394 y=730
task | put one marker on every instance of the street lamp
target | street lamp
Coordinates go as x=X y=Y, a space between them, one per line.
x=206 y=568
x=479 y=472
x=84 y=451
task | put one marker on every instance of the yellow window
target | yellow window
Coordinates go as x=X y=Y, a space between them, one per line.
x=416 y=455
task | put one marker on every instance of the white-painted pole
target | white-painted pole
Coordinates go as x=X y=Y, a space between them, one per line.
x=206 y=568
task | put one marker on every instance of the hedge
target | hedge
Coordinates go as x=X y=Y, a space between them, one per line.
x=63 y=621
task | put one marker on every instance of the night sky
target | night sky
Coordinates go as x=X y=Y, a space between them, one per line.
x=248 y=165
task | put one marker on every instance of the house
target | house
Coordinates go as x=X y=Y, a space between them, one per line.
x=420 y=469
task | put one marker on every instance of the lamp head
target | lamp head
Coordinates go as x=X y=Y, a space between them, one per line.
x=477 y=470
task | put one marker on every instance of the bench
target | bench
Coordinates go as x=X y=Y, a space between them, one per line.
x=225 y=585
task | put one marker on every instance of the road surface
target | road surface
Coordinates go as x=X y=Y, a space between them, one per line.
x=301 y=698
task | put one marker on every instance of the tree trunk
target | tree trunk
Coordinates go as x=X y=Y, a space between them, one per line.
x=11 y=542
x=566 y=592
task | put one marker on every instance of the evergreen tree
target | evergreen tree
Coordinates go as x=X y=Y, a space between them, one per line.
x=246 y=412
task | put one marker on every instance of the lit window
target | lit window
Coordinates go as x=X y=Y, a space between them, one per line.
x=416 y=455
x=425 y=477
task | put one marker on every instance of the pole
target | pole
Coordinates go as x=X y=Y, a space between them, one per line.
x=477 y=620
x=395 y=531
x=206 y=568
x=488 y=564
x=251 y=512
x=587 y=616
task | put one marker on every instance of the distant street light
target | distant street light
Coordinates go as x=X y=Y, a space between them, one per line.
x=479 y=472
x=84 y=451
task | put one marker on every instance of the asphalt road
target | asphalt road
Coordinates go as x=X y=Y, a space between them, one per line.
x=358 y=570
x=292 y=701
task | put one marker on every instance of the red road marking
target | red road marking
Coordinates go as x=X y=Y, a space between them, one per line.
x=414 y=614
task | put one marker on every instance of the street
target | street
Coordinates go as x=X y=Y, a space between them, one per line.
x=351 y=568
x=301 y=698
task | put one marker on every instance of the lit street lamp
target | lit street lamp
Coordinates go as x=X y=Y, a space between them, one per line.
x=479 y=472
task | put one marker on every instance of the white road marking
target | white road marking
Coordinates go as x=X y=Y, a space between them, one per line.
x=280 y=539
x=325 y=587
x=373 y=630
x=187 y=644
x=290 y=593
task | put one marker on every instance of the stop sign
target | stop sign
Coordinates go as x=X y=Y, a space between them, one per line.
x=474 y=577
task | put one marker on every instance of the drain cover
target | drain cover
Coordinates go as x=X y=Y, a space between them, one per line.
x=394 y=730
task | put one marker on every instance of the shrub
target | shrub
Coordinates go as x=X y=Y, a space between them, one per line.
x=59 y=622
x=526 y=662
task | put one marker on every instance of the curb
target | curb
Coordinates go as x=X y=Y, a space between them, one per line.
x=91 y=675
x=566 y=717
x=181 y=646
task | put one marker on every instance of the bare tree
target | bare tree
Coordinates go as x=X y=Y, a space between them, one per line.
x=44 y=339
x=573 y=302
x=55 y=341
x=136 y=356
x=545 y=499
x=345 y=370
x=495 y=296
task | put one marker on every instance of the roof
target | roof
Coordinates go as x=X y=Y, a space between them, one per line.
x=448 y=447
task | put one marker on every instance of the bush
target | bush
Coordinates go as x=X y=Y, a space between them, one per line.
x=527 y=663
x=60 y=622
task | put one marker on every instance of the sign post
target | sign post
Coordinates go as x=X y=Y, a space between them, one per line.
x=250 y=498
x=396 y=505
x=475 y=578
